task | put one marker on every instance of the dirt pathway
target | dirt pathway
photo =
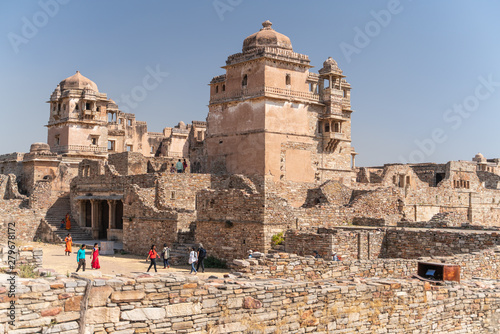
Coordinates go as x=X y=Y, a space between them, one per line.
x=54 y=258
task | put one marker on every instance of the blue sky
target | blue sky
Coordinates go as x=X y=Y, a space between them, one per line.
x=425 y=75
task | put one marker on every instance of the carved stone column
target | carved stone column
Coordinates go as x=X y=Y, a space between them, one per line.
x=112 y=213
x=82 y=219
x=94 y=205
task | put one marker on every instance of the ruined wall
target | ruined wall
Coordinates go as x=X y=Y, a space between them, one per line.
x=231 y=240
x=26 y=220
x=160 y=164
x=429 y=189
x=41 y=197
x=235 y=205
x=140 y=233
x=489 y=180
x=179 y=190
x=349 y=244
x=143 y=223
x=411 y=244
x=484 y=264
x=172 y=304
x=12 y=163
x=128 y=163
x=364 y=243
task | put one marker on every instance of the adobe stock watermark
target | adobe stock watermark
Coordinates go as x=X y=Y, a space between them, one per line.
x=223 y=6
x=373 y=28
x=31 y=26
x=454 y=118
x=139 y=93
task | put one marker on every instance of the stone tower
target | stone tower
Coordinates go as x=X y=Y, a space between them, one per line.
x=78 y=118
x=268 y=115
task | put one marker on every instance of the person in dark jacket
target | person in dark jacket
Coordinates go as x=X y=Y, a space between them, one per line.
x=202 y=254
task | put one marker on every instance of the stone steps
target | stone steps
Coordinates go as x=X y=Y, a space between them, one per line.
x=56 y=213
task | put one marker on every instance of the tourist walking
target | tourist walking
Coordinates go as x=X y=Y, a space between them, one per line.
x=95 y=257
x=334 y=256
x=69 y=242
x=165 y=254
x=80 y=258
x=68 y=221
x=193 y=257
x=202 y=254
x=184 y=166
x=179 y=166
x=63 y=224
x=152 y=255
x=172 y=169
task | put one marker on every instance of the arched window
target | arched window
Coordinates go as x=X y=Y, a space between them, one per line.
x=288 y=80
x=216 y=89
x=244 y=81
x=223 y=88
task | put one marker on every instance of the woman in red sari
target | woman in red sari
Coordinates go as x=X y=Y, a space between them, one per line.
x=95 y=257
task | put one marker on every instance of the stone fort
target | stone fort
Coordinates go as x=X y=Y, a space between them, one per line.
x=273 y=156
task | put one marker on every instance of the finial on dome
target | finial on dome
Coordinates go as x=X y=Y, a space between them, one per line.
x=77 y=71
x=267 y=24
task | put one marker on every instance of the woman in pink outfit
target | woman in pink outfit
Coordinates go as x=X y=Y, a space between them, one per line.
x=95 y=257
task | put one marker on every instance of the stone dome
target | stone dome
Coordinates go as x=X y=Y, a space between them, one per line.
x=78 y=81
x=330 y=62
x=479 y=158
x=330 y=66
x=40 y=148
x=267 y=36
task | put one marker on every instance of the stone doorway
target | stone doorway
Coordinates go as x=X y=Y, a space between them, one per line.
x=103 y=219
x=102 y=216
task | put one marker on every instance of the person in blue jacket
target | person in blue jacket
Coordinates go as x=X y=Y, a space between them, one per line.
x=80 y=258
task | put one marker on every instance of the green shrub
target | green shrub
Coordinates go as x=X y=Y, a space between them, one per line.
x=277 y=239
x=213 y=262
x=27 y=271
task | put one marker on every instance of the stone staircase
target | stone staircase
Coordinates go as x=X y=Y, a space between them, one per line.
x=57 y=212
x=179 y=251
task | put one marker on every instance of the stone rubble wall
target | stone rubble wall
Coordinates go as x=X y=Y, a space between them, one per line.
x=128 y=163
x=484 y=264
x=8 y=187
x=178 y=191
x=173 y=304
x=24 y=255
x=144 y=224
x=41 y=196
x=350 y=244
x=228 y=240
x=12 y=163
x=411 y=244
x=369 y=243
x=140 y=233
x=229 y=205
x=26 y=220
x=478 y=203
x=377 y=207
